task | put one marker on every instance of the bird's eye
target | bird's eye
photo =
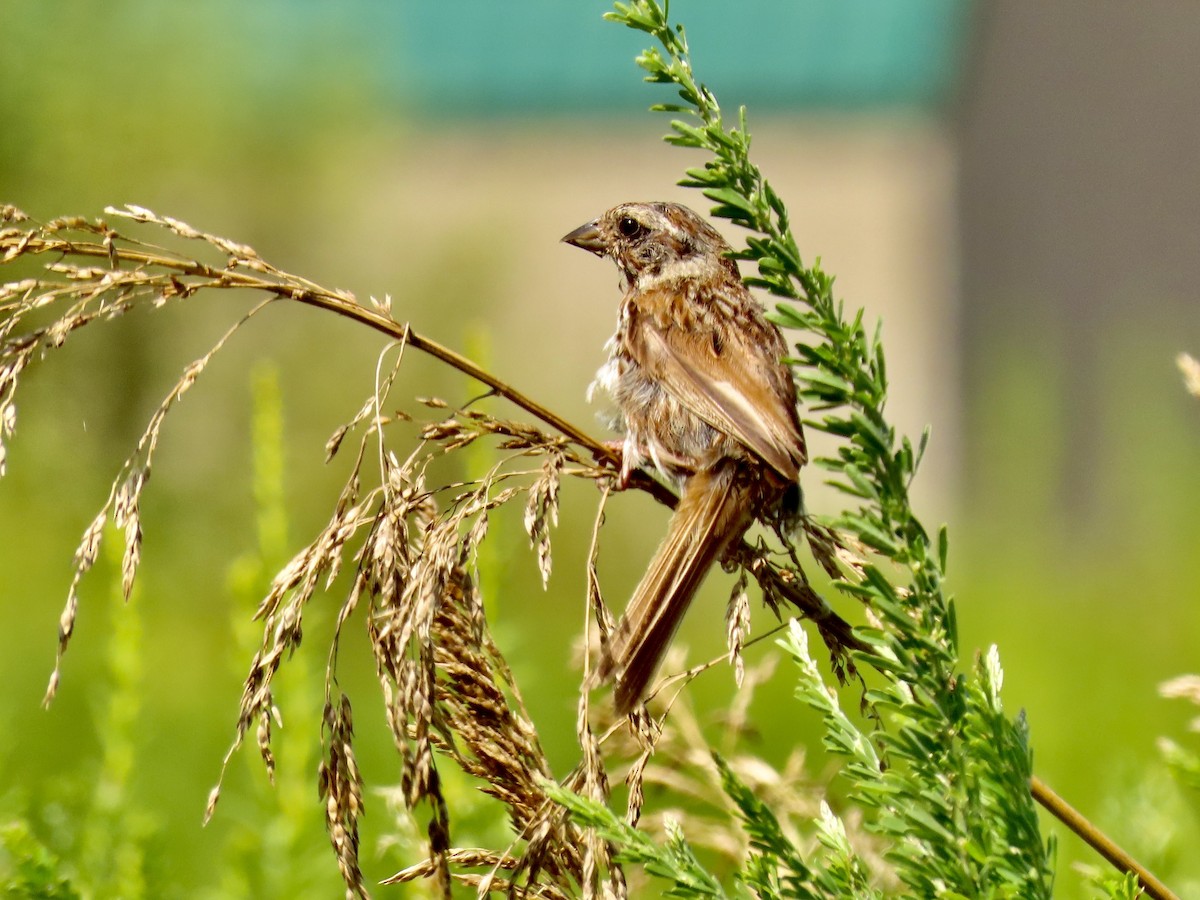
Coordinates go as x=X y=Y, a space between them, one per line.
x=629 y=227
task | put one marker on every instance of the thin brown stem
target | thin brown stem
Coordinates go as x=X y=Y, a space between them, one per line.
x=1097 y=840
x=292 y=287
x=398 y=331
x=244 y=269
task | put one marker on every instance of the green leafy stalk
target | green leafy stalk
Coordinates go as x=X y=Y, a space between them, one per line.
x=284 y=857
x=946 y=777
x=28 y=868
x=673 y=861
x=116 y=831
x=775 y=868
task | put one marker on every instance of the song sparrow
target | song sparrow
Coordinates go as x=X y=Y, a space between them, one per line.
x=696 y=374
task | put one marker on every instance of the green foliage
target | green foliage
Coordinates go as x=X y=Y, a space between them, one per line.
x=776 y=868
x=273 y=848
x=673 y=861
x=115 y=831
x=28 y=869
x=1122 y=887
x=945 y=776
x=1183 y=761
x=773 y=863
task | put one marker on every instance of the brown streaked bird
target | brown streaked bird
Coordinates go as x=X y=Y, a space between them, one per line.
x=696 y=373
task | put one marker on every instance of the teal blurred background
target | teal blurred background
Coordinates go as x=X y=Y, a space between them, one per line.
x=1012 y=191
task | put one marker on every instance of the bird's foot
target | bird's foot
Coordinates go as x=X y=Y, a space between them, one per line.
x=614 y=455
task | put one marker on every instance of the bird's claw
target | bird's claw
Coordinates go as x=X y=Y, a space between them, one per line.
x=613 y=455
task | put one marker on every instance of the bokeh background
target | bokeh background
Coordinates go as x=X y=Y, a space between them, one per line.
x=1012 y=189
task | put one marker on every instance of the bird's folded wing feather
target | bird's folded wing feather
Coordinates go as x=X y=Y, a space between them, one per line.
x=736 y=388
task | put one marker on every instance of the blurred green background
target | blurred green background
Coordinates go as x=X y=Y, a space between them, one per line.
x=1012 y=191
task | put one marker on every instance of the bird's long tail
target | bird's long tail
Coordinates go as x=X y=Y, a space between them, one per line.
x=714 y=510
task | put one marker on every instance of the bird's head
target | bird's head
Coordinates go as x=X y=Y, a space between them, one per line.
x=656 y=242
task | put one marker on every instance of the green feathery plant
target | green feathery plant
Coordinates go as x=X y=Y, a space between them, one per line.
x=946 y=776
x=272 y=850
x=28 y=868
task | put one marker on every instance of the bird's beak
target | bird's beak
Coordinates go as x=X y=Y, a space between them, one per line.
x=587 y=237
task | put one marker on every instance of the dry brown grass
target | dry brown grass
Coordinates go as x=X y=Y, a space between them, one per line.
x=409 y=546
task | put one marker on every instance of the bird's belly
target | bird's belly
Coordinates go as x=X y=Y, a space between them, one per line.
x=661 y=430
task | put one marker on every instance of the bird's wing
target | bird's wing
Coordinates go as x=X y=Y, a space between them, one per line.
x=733 y=380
